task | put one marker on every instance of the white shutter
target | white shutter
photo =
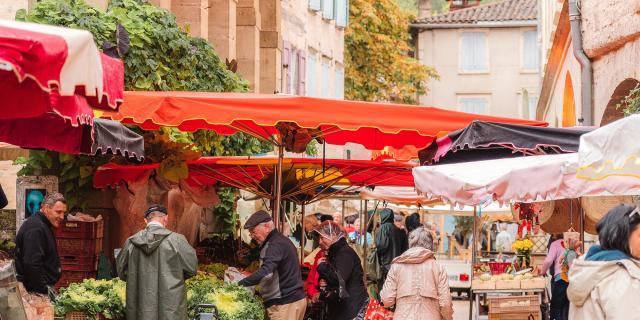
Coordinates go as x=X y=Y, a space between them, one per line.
x=473 y=53
x=312 y=90
x=530 y=50
x=342 y=13
x=339 y=83
x=315 y=5
x=325 y=80
x=293 y=73
x=475 y=105
x=533 y=105
x=328 y=9
x=302 y=72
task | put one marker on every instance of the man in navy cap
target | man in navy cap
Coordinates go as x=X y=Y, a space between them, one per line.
x=155 y=262
x=281 y=285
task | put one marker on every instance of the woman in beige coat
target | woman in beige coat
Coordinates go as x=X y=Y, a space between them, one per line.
x=417 y=284
x=605 y=284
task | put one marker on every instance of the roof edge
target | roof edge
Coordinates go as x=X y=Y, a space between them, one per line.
x=480 y=24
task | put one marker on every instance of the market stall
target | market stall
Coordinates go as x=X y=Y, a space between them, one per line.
x=537 y=178
x=290 y=122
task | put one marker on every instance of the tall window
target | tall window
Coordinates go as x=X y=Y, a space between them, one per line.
x=533 y=106
x=328 y=9
x=477 y=105
x=530 y=54
x=342 y=13
x=293 y=72
x=339 y=83
x=473 y=52
x=312 y=74
x=325 y=79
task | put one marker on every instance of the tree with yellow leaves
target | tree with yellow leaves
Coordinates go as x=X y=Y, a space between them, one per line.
x=377 y=62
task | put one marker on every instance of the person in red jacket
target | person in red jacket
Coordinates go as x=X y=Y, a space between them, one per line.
x=311 y=285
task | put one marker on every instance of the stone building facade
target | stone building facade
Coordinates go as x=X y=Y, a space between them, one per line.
x=610 y=36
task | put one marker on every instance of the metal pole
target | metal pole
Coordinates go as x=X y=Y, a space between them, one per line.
x=278 y=189
x=473 y=258
x=364 y=223
x=582 y=229
x=343 y=213
x=303 y=236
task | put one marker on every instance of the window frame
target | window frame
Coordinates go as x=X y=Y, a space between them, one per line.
x=485 y=96
x=487 y=59
x=325 y=14
x=523 y=68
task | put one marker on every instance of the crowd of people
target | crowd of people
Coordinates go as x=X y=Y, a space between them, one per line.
x=604 y=283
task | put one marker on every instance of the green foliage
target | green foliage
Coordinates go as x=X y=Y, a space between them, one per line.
x=75 y=173
x=225 y=209
x=377 y=61
x=631 y=103
x=464 y=224
x=410 y=7
x=93 y=297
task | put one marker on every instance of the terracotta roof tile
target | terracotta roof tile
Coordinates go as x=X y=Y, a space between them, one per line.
x=507 y=10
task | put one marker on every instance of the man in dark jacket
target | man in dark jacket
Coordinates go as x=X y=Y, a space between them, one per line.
x=155 y=263
x=391 y=242
x=341 y=268
x=279 y=276
x=37 y=261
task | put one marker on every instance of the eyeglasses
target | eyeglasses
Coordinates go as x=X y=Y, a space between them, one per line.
x=635 y=211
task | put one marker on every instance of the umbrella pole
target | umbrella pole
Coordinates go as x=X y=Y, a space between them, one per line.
x=303 y=236
x=473 y=257
x=278 y=191
x=364 y=224
x=343 y=213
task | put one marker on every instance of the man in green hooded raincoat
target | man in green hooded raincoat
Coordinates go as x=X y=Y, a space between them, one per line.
x=155 y=262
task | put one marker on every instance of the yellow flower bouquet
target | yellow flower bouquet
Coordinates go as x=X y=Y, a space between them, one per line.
x=523 y=248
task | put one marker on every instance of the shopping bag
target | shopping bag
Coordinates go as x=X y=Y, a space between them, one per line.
x=373 y=267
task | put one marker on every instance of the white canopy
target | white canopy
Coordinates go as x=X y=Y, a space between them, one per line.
x=535 y=178
x=612 y=150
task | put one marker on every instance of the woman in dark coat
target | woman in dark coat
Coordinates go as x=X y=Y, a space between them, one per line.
x=341 y=268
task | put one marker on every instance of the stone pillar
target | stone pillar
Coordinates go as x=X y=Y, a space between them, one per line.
x=248 y=42
x=189 y=13
x=222 y=27
x=270 y=46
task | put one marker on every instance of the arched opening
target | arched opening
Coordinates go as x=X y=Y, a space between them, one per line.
x=612 y=113
x=568 y=103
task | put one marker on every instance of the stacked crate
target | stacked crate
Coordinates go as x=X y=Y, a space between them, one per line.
x=79 y=244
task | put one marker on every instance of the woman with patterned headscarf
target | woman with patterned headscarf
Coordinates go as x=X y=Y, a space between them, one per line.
x=341 y=275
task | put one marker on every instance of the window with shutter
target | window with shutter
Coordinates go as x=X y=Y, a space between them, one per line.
x=315 y=5
x=325 y=79
x=477 y=105
x=473 y=52
x=328 y=9
x=302 y=75
x=339 y=83
x=312 y=89
x=342 y=13
x=293 y=73
x=533 y=105
x=530 y=54
x=286 y=65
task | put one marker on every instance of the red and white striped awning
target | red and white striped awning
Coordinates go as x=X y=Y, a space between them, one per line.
x=58 y=59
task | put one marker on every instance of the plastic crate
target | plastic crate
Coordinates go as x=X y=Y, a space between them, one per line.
x=516 y=316
x=69 y=277
x=514 y=304
x=498 y=267
x=83 y=247
x=80 y=230
x=78 y=263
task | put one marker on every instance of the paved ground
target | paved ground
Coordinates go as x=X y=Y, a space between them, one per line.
x=460 y=309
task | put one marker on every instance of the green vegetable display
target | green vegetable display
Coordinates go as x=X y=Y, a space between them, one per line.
x=232 y=301
x=216 y=269
x=93 y=297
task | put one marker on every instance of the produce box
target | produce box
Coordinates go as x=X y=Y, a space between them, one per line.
x=79 y=263
x=534 y=283
x=86 y=247
x=516 y=316
x=69 y=277
x=529 y=304
x=80 y=230
x=508 y=284
x=478 y=284
x=77 y=315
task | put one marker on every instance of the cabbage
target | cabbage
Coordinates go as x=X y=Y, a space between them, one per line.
x=93 y=297
x=232 y=301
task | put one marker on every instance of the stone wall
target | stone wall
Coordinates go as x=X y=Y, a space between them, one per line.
x=608 y=24
x=8 y=8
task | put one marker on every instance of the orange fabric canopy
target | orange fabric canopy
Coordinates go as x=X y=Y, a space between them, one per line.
x=374 y=125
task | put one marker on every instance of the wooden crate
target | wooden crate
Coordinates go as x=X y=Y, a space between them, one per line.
x=516 y=316
x=514 y=304
x=508 y=284
x=478 y=284
x=535 y=283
